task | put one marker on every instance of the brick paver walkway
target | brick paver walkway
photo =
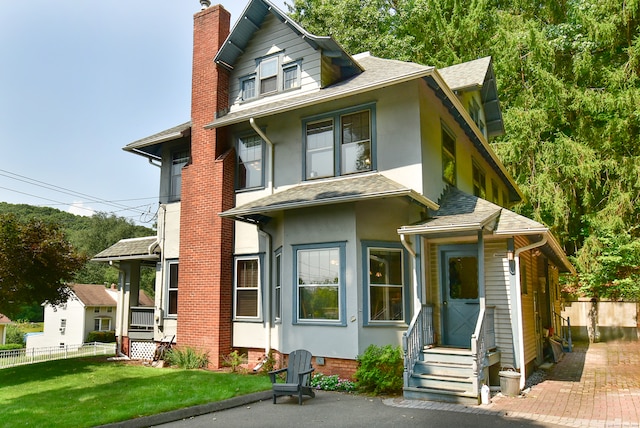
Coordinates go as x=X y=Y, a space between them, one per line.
x=596 y=385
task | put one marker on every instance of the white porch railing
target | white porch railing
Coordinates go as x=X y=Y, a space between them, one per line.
x=419 y=334
x=18 y=357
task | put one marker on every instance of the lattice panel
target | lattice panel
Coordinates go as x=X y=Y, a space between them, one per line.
x=142 y=350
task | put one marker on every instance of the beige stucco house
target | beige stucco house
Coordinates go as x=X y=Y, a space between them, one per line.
x=329 y=201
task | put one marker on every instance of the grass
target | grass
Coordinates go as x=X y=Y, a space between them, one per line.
x=85 y=392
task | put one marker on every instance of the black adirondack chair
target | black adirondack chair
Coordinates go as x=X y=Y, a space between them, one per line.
x=298 y=381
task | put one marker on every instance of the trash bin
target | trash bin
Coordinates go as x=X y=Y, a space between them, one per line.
x=509 y=382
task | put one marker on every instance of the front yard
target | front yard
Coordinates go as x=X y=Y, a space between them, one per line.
x=86 y=392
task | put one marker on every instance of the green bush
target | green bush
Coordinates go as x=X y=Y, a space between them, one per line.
x=15 y=335
x=234 y=359
x=187 y=358
x=101 y=336
x=10 y=346
x=380 y=370
x=332 y=383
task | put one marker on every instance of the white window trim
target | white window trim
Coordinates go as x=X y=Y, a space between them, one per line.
x=237 y=317
x=167 y=287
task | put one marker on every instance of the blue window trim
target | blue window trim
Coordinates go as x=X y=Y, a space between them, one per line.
x=336 y=116
x=277 y=255
x=237 y=167
x=406 y=288
x=342 y=292
x=254 y=77
x=260 y=257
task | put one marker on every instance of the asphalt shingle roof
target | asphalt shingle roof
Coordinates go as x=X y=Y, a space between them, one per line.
x=93 y=294
x=132 y=248
x=466 y=75
x=324 y=192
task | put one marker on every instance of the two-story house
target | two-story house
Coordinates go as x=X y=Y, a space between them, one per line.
x=330 y=201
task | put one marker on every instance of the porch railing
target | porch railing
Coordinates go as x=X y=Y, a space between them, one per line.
x=565 y=330
x=419 y=334
x=482 y=341
x=141 y=318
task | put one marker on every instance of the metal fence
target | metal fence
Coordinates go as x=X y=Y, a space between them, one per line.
x=18 y=357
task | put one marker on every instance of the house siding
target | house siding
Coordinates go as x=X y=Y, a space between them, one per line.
x=273 y=37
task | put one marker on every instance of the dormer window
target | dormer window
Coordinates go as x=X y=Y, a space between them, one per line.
x=475 y=113
x=271 y=76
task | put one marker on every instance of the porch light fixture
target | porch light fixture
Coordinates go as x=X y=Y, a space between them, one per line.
x=511 y=256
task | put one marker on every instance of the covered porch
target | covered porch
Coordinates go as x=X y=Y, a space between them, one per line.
x=135 y=320
x=469 y=320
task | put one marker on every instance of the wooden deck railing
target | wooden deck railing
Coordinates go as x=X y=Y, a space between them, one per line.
x=419 y=334
x=482 y=341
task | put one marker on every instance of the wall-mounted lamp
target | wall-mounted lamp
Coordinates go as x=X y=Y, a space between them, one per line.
x=511 y=256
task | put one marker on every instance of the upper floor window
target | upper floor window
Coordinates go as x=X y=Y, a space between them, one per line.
x=479 y=181
x=247 y=287
x=476 y=115
x=250 y=165
x=448 y=156
x=340 y=143
x=271 y=76
x=495 y=196
x=178 y=161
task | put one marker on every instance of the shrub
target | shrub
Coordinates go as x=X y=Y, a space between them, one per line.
x=332 y=383
x=269 y=363
x=234 y=360
x=380 y=369
x=101 y=336
x=15 y=335
x=187 y=358
x=10 y=346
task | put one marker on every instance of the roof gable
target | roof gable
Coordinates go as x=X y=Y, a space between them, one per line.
x=252 y=19
x=92 y=294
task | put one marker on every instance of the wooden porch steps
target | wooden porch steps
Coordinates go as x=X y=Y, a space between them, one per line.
x=443 y=374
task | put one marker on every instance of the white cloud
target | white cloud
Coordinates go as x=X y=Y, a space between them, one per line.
x=78 y=208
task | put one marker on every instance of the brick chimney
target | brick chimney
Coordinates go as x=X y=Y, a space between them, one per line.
x=206 y=240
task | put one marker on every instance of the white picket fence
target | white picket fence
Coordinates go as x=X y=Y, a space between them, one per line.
x=18 y=357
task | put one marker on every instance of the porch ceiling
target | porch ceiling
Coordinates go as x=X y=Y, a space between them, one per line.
x=325 y=192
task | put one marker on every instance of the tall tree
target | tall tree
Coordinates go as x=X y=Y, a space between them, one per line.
x=35 y=262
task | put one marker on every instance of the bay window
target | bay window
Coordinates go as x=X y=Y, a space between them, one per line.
x=385 y=283
x=247 y=287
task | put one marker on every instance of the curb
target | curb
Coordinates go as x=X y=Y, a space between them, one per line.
x=189 y=412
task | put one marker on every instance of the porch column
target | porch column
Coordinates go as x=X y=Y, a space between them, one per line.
x=481 y=281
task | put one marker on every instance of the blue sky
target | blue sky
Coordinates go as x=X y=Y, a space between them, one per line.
x=80 y=79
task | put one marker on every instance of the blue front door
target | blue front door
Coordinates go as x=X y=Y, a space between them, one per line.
x=460 y=303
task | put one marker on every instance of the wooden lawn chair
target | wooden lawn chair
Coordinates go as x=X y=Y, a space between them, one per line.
x=298 y=380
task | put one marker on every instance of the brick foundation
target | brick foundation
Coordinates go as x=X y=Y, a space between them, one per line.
x=345 y=369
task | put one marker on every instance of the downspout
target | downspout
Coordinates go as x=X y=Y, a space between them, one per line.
x=518 y=300
x=267 y=295
x=262 y=135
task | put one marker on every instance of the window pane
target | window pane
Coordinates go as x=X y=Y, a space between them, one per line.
x=247 y=303
x=318 y=284
x=268 y=85
x=319 y=303
x=290 y=76
x=448 y=158
x=172 y=308
x=278 y=286
x=268 y=68
x=320 y=149
x=247 y=274
x=385 y=267
x=248 y=89
x=249 y=162
x=173 y=302
x=386 y=303
x=355 y=127
x=178 y=161
x=463 y=278
x=96 y=324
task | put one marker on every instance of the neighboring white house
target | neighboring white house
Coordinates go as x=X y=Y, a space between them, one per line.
x=4 y=321
x=91 y=307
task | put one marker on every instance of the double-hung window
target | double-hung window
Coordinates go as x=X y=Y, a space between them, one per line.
x=172 y=288
x=479 y=181
x=250 y=164
x=272 y=75
x=319 y=283
x=385 y=283
x=178 y=161
x=476 y=116
x=340 y=143
x=448 y=156
x=247 y=287
x=102 y=324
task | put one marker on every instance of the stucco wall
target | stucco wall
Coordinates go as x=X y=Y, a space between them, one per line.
x=602 y=321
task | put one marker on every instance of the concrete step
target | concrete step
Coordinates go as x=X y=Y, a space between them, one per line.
x=435 y=394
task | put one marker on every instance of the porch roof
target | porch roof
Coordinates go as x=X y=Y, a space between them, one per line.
x=326 y=192
x=130 y=249
x=462 y=213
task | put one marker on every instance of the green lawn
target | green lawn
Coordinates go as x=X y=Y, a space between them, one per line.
x=85 y=392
